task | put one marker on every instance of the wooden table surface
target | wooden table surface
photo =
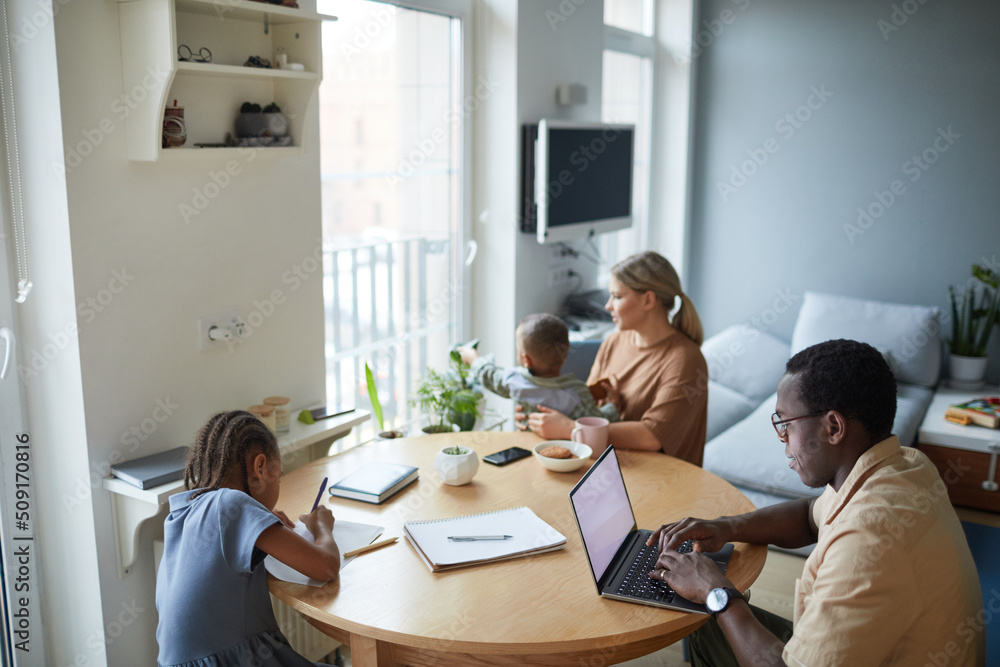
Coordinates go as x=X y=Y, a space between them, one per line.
x=544 y=609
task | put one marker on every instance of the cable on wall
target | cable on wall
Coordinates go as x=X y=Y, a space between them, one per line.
x=14 y=167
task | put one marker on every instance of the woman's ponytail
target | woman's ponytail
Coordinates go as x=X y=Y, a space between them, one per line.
x=651 y=272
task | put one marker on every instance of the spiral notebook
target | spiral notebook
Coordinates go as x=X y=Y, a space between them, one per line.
x=527 y=535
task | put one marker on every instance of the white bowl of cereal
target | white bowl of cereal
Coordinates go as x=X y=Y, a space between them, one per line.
x=562 y=455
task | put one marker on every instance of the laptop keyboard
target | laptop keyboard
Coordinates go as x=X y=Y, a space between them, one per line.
x=637 y=582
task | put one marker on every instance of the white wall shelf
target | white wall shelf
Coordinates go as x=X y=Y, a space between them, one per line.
x=132 y=507
x=237 y=72
x=212 y=93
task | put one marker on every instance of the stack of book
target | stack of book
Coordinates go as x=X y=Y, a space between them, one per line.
x=982 y=411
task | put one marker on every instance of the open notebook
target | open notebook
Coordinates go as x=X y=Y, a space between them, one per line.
x=529 y=535
x=349 y=536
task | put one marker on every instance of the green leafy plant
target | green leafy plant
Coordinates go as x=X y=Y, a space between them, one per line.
x=449 y=398
x=971 y=323
x=455 y=451
x=373 y=398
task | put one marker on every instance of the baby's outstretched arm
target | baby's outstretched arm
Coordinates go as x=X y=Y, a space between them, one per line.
x=468 y=354
x=319 y=560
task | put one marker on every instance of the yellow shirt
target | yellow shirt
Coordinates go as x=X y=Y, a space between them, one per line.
x=891 y=580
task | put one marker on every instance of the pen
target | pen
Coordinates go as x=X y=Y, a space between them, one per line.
x=478 y=538
x=322 y=488
x=373 y=545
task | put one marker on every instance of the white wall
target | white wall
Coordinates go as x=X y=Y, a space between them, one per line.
x=140 y=350
x=787 y=229
x=558 y=42
x=495 y=177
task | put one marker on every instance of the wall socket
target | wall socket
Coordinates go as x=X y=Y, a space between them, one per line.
x=221 y=329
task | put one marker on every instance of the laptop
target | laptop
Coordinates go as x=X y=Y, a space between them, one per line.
x=616 y=551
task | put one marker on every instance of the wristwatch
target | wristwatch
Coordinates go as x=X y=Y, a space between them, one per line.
x=719 y=598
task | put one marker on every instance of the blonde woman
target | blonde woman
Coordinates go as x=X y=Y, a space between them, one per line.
x=651 y=367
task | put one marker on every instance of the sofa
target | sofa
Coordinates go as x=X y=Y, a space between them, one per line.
x=745 y=364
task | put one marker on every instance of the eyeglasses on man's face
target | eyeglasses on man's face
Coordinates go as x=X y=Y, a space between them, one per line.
x=781 y=425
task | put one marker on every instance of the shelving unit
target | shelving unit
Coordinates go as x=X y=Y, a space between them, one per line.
x=211 y=93
x=132 y=507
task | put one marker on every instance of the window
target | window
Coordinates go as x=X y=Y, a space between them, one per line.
x=391 y=168
x=632 y=15
x=627 y=94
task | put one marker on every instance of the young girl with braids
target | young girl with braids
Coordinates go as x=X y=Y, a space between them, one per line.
x=211 y=590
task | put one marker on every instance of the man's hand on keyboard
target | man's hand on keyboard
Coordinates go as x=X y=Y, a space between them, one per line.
x=692 y=575
x=708 y=536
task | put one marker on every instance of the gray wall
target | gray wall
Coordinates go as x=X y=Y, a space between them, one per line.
x=793 y=223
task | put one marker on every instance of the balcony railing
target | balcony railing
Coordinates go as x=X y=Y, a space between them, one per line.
x=394 y=304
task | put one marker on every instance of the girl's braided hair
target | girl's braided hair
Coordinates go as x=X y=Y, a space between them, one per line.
x=224 y=441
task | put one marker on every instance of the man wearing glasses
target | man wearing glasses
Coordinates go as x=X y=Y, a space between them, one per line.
x=891 y=580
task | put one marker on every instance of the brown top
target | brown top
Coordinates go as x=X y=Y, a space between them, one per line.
x=891 y=580
x=664 y=387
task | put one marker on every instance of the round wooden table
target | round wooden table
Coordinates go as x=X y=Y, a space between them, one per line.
x=543 y=609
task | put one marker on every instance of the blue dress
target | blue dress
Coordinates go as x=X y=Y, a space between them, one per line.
x=211 y=590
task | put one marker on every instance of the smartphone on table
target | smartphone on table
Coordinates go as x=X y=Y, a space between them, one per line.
x=507 y=456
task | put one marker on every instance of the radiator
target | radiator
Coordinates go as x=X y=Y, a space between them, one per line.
x=304 y=638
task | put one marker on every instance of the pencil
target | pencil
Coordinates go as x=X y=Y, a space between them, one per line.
x=370 y=547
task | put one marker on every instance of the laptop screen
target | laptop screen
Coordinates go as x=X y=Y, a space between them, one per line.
x=603 y=511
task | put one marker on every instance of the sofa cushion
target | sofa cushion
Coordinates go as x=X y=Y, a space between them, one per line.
x=725 y=408
x=909 y=333
x=912 y=402
x=746 y=360
x=750 y=455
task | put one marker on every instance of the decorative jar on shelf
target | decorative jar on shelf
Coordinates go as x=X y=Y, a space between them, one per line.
x=282 y=416
x=265 y=413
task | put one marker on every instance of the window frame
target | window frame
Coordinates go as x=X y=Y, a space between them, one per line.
x=462 y=10
x=644 y=46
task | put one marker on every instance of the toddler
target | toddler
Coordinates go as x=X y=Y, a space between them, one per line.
x=211 y=590
x=542 y=347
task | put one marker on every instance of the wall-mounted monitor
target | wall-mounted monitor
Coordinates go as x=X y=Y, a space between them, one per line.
x=577 y=179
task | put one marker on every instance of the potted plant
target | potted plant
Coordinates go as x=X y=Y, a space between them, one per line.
x=448 y=399
x=456 y=465
x=377 y=407
x=972 y=321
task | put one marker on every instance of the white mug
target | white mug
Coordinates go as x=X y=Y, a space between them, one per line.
x=591 y=431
